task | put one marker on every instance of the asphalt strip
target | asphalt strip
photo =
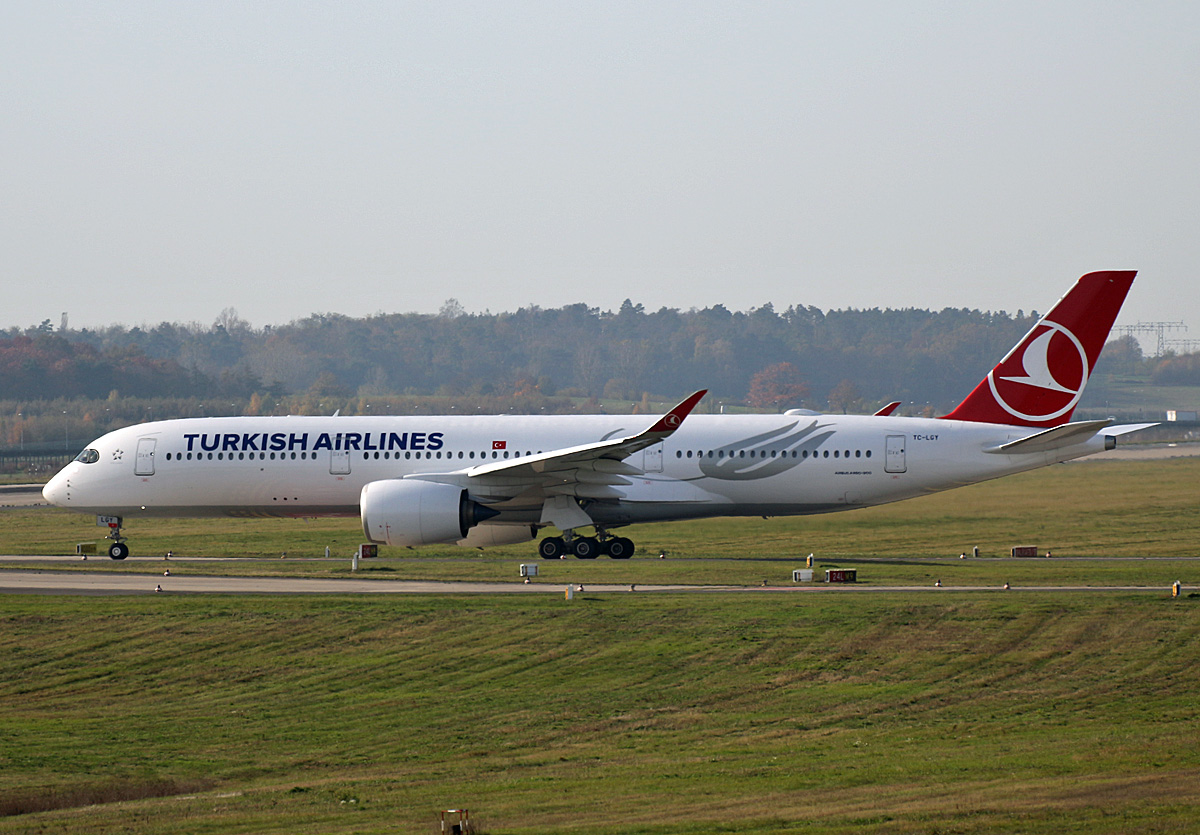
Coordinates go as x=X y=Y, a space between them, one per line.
x=94 y=583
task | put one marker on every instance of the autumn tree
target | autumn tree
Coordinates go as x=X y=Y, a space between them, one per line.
x=776 y=387
x=844 y=397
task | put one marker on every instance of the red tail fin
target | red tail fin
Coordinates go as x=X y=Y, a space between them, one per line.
x=1041 y=380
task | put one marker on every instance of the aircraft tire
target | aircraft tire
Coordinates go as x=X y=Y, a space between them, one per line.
x=620 y=548
x=118 y=550
x=552 y=548
x=586 y=548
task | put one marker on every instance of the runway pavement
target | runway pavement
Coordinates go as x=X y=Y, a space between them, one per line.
x=21 y=495
x=83 y=582
x=100 y=583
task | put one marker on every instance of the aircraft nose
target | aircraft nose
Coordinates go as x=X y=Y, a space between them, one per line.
x=56 y=490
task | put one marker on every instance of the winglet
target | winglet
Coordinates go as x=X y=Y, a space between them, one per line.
x=888 y=409
x=669 y=422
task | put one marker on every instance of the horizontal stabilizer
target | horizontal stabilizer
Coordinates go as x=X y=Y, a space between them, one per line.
x=1068 y=434
x=1126 y=428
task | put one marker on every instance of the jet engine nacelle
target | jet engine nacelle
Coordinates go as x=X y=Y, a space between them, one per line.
x=412 y=512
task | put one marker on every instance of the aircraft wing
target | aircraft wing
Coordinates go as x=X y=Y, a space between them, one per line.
x=558 y=477
x=614 y=450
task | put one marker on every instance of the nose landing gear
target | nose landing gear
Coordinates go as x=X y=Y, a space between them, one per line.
x=118 y=550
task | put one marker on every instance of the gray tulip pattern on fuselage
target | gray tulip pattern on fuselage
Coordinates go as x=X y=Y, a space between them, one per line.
x=743 y=462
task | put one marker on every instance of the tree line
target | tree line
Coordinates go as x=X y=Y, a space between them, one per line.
x=765 y=359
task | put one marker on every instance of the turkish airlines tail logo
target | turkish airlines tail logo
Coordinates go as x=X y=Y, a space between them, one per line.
x=1042 y=379
x=1030 y=386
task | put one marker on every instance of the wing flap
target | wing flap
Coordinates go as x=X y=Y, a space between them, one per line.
x=581 y=490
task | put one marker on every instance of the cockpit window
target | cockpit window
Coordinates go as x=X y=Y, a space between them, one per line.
x=88 y=456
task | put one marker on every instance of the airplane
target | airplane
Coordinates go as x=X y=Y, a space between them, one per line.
x=482 y=481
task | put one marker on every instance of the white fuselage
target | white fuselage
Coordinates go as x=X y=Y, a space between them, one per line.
x=714 y=465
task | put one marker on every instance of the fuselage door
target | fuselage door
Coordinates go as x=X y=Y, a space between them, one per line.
x=144 y=463
x=339 y=462
x=652 y=459
x=894 y=459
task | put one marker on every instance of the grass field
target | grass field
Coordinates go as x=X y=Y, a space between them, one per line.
x=671 y=714
x=1031 y=712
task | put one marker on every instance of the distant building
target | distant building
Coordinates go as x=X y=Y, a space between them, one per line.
x=1179 y=415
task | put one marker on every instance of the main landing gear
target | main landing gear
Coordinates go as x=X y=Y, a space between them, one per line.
x=585 y=547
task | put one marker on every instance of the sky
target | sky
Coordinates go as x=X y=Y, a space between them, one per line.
x=165 y=161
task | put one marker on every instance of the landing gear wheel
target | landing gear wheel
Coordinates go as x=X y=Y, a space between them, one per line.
x=552 y=548
x=620 y=548
x=118 y=550
x=586 y=548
